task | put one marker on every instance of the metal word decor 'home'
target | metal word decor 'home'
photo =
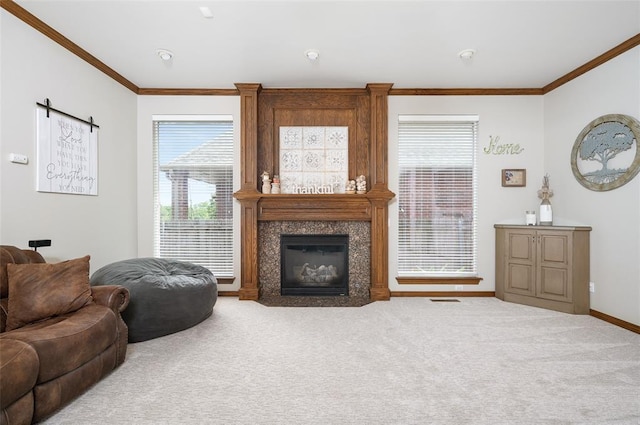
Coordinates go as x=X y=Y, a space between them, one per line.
x=314 y=159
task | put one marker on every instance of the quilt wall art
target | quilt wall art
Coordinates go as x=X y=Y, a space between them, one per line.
x=314 y=159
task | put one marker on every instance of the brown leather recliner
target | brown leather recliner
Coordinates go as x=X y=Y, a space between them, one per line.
x=46 y=364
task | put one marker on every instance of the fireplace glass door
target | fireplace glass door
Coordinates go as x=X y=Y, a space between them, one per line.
x=314 y=265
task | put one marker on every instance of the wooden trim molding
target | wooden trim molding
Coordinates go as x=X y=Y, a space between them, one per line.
x=225 y=280
x=378 y=104
x=31 y=20
x=454 y=294
x=615 y=321
x=420 y=280
x=336 y=207
x=594 y=63
x=465 y=92
x=378 y=101
x=188 y=92
x=247 y=193
x=297 y=92
x=249 y=135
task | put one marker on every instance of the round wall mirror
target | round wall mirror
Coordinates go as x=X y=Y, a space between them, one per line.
x=605 y=154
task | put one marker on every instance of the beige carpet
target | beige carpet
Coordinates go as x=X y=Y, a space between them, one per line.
x=406 y=361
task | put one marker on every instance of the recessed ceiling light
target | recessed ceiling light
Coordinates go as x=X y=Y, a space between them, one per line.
x=164 y=54
x=312 y=54
x=206 y=12
x=466 y=54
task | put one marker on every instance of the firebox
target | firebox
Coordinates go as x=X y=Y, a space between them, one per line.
x=314 y=265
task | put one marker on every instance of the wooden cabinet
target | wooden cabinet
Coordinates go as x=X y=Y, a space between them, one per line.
x=543 y=266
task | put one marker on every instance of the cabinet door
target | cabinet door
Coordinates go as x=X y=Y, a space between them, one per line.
x=554 y=266
x=520 y=273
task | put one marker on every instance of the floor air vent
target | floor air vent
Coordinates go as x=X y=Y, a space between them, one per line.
x=444 y=300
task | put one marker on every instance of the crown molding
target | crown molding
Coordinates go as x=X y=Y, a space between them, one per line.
x=37 y=24
x=594 y=63
x=31 y=20
x=187 y=92
x=466 y=92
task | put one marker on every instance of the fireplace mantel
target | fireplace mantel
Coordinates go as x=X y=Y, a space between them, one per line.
x=330 y=207
x=364 y=112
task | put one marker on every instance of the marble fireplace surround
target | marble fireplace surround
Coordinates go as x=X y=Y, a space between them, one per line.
x=359 y=261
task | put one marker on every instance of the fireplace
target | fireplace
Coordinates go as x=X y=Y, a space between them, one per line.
x=314 y=264
x=270 y=267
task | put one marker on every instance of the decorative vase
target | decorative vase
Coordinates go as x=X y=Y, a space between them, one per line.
x=546 y=213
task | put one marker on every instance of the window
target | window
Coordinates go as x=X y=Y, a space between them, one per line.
x=437 y=196
x=193 y=191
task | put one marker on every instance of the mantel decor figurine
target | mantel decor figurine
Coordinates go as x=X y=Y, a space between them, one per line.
x=275 y=186
x=266 y=183
x=350 y=187
x=546 y=213
x=361 y=184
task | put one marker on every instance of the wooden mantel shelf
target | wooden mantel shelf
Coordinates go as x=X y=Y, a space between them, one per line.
x=314 y=208
x=311 y=207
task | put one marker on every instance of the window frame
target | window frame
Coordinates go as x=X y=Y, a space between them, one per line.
x=225 y=276
x=407 y=277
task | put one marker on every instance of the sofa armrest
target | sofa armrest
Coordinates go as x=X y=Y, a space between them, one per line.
x=113 y=296
x=116 y=298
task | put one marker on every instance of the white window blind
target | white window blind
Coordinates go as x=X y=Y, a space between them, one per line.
x=437 y=196
x=193 y=191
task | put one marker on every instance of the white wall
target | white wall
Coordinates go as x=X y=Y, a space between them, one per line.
x=118 y=223
x=614 y=215
x=104 y=226
x=516 y=120
x=148 y=106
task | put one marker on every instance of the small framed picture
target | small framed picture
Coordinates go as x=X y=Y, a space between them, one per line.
x=514 y=177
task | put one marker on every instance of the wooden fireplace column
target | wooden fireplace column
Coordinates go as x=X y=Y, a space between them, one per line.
x=379 y=194
x=248 y=194
x=364 y=111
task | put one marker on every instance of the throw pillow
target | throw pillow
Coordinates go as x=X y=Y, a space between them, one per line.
x=39 y=291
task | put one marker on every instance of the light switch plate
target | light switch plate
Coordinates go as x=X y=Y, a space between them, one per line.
x=18 y=158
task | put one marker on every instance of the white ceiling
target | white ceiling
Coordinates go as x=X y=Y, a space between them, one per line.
x=413 y=44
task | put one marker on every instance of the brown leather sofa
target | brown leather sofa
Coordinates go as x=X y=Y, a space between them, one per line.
x=46 y=363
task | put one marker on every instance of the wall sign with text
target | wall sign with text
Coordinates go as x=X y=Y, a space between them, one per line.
x=67 y=154
x=496 y=147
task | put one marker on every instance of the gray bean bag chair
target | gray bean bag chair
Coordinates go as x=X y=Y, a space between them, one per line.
x=167 y=296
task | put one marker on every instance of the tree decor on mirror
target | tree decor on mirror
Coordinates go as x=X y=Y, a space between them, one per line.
x=605 y=154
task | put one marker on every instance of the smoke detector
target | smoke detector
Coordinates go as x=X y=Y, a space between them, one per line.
x=466 y=54
x=312 y=54
x=164 y=54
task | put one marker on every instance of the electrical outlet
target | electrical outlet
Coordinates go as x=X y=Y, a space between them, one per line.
x=592 y=287
x=458 y=288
